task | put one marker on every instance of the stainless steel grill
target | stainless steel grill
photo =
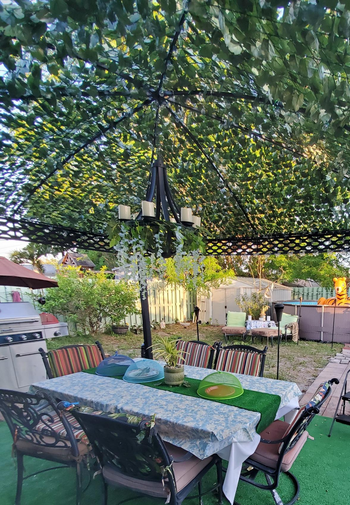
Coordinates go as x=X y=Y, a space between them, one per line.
x=21 y=336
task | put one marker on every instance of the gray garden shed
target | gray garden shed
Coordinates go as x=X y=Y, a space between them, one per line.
x=214 y=308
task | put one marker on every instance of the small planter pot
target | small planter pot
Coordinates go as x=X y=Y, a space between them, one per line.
x=174 y=375
x=119 y=329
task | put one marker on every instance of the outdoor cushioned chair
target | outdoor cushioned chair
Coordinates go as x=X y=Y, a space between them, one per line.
x=235 y=324
x=242 y=359
x=40 y=430
x=290 y=327
x=71 y=359
x=280 y=445
x=195 y=353
x=132 y=455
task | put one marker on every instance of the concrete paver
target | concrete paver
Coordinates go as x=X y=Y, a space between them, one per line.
x=337 y=367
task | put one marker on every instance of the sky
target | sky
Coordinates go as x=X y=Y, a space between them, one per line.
x=8 y=246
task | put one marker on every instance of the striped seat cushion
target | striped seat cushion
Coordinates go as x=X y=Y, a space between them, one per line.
x=56 y=425
x=247 y=363
x=193 y=354
x=72 y=359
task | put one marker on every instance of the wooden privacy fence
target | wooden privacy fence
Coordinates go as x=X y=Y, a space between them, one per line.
x=313 y=293
x=167 y=303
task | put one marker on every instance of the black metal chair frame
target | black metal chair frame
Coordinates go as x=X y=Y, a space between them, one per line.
x=245 y=348
x=44 y=355
x=343 y=397
x=251 y=468
x=97 y=426
x=212 y=351
x=23 y=412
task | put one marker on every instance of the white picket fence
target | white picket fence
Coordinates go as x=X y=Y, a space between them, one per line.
x=166 y=303
x=5 y=293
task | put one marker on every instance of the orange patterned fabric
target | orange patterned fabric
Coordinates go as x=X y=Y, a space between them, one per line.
x=56 y=424
x=247 y=363
x=341 y=293
x=72 y=359
x=194 y=354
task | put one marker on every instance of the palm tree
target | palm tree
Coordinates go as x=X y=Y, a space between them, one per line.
x=31 y=254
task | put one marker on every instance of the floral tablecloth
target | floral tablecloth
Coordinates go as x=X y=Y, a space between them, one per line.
x=197 y=425
x=194 y=424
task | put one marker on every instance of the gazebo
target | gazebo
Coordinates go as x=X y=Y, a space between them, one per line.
x=238 y=110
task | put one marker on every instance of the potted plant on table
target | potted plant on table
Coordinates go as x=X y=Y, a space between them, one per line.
x=165 y=349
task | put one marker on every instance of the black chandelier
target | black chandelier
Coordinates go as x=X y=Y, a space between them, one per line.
x=164 y=212
x=165 y=206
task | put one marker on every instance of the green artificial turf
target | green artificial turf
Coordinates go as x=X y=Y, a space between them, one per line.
x=322 y=468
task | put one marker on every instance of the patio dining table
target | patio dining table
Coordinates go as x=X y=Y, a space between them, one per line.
x=200 y=426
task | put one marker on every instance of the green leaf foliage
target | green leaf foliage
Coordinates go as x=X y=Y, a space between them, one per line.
x=320 y=268
x=213 y=274
x=248 y=103
x=86 y=297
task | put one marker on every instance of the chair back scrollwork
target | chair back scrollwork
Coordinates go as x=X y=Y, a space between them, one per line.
x=33 y=418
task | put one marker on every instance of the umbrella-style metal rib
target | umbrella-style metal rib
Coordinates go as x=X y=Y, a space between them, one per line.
x=242 y=128
x=212 y=164
x=98 y=135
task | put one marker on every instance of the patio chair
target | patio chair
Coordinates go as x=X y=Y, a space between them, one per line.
x=71 y=359
x=195 y=353
x=132 y=455
x=290 y=327
x=340 y=415
x=235 y=325
x=242 y=359
x=40 y=430
x=280 y=445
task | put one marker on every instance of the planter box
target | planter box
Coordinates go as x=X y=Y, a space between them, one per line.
x=120 y=329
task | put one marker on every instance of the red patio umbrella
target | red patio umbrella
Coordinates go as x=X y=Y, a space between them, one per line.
x=12 y=274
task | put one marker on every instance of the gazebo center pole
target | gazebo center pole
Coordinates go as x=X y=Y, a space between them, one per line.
x=146 y=350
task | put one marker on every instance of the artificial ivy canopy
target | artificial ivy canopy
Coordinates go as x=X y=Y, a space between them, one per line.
x=247 y=101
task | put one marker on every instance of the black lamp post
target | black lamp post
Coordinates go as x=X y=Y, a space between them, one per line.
x=165 y=209
x=196 y=313
x=279 y=310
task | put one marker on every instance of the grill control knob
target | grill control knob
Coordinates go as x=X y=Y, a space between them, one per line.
x=36 y=335
x=8 y=339
x=23 y=337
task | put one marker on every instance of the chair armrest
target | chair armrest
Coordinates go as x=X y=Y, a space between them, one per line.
x=185 y=457
x=264 y=441
x=294 y=330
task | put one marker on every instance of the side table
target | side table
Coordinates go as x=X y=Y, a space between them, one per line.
x=263 y=329
x=269 y=333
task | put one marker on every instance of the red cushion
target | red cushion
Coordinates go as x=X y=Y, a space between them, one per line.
x=268 y=454
x=230 y=360
x=193 y=354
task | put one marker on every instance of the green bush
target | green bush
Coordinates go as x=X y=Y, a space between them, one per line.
x=254 y=304
x=85 y=298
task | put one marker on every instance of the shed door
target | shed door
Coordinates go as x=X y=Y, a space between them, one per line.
x=231 y=295
x=219 y=310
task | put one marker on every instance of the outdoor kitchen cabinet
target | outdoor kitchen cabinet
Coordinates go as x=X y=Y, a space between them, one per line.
x=21 y=365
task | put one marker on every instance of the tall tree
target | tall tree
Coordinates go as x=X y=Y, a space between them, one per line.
x=288 y=268
x=101 y=259
x=32 y=254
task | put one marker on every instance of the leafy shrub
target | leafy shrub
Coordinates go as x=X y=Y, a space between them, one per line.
x=85 y=298
x=254 y=304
